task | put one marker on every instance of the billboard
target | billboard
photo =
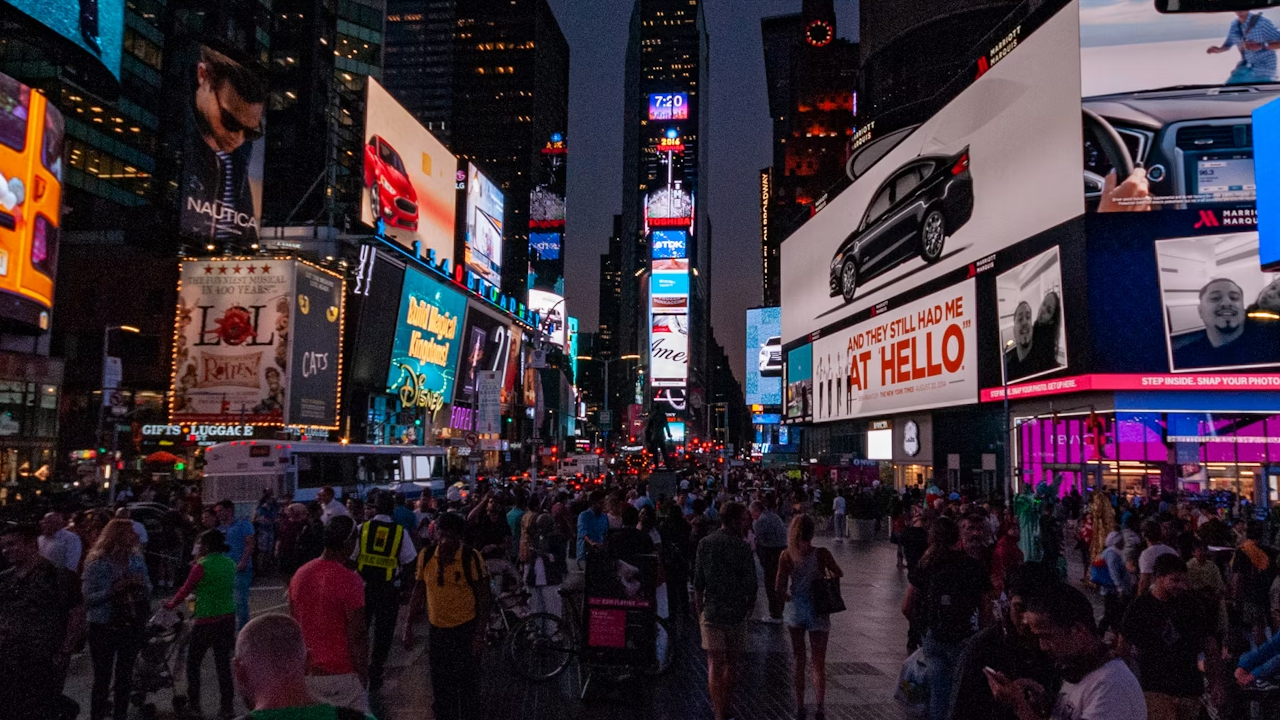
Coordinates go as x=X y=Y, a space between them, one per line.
x=764 y=356
x=669 y=207
x=315 y=334
x=546 y=263
x=424 y=353
x=669 y=244
x=220 y=192
x=96 y=26
x=486 y=347
x=915 y=357
x=1221 y=311
x=1033 y=329
x=483 y=247
x=1167 y=100
x=410 y=178
x=798 y=381
x=1266 y=128
x=669 y=283
x=993 y=166
x=669 y=350
x=31 y=143
x=668 y=106
x=551 y=313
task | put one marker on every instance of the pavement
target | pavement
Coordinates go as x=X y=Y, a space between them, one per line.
x=866 y=650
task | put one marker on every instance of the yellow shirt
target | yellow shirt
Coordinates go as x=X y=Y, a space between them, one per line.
x=453 y=603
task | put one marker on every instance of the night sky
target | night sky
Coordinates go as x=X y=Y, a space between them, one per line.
x=739 y=146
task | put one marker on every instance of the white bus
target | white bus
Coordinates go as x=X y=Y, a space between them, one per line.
x=240 y=471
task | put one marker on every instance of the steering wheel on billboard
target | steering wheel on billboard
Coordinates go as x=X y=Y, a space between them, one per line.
x=1116 y=152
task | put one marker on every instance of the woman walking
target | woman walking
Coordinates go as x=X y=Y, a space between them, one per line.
x=800 y=568
x=116 y=592
x=212 y=580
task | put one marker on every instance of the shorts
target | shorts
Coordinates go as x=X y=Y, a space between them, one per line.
x=340 y=691
x=727 y=639
x=801 y=616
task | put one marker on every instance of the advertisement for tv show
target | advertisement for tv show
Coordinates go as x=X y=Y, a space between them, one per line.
x=486 y=348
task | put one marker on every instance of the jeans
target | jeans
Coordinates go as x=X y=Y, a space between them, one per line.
x=1264 y=663
x=381 y=607
x=840 y=524
x=940 y=660
x=455 y=671
x=220 y=636
x=769 y=563
x=114 y=649
x=241 y=593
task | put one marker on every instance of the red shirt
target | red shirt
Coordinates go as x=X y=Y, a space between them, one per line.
x=321 y=594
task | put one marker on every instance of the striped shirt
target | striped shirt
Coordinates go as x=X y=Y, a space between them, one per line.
x=223 y=222
x=1263 y=31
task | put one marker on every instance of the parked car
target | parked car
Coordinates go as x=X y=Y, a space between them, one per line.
x=391 y=194
x=771 y=358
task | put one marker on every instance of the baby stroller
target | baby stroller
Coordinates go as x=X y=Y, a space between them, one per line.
x=164 y=645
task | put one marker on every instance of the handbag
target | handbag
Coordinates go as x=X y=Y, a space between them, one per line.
x=826 y=595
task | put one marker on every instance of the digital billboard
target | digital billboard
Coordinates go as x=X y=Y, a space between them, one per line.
x=410 y=179
x=1221 y=311
x=995 y=165
x=424 y=353
x=551 y=313
x=798 y=379
x=669 y=350
x=315 y=334
x=668 y=208
x=1033 y=329
x=483 y=247
x=668 y=106
x=1266 y=128
x=31 y=143
x=915 y=357
x=96 y=26
x=486 y=347
x=220 y=193
x=764 y=356
x=1167 y=101
x=669 y=244
x=544 y=245
x=546 y=261
x=669 y=283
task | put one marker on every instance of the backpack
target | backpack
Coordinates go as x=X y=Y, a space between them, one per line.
x=469 y=559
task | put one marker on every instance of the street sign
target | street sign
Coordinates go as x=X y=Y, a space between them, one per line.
x=472 y=439
x=112 y=373
x=606 y=418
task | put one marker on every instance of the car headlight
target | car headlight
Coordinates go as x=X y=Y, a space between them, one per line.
x=386 y=185
x=835 y=263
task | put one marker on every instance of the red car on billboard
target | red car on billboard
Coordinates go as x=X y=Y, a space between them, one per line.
x=391 y=195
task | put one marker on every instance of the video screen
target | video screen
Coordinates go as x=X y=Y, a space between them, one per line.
x=669 y=106
x=551 y=311
x=484 y=226
x=669 y=349
x=799 y=383
x=486 y=347
x=669 y=244
x=1033 y=331
x=97 y=26
x=764 y=356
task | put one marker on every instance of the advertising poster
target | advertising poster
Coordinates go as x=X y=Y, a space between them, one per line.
x=1177 y=91
x=546 y=264
x=489 y=402
x=919 y=356
x=550 y=310
x=484 y=226
x=231 y=350
x=486 y=348
x=222 y=150
x=424 y=354
x=669 y=207
x=1221 y=311
x=515 y=358
x=410 y=178
x=1031 y=317
x=621 y=607
x=996 y=165
x=97 y=26
x=798 y=377
x=1266 y=138
x=669 y=350
x=316 y=337
x=669 y=244
x=764 y=356
x=32 y=133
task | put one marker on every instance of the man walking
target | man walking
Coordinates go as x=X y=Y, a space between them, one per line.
x=838 y=513
x=383 y=549
x=771 y=540
x=724 y=584
x=59 y=545
x=239 y=536
x=592 y=525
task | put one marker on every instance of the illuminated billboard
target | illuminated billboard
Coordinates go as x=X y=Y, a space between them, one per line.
x=997 y=164
x=544 y=245
x=669 y=208
x=96 y=26
x=669 y=106
x=31 y=142
x=483 y=247
x=409 y=178
x=1033 y=329
x=669 y=244
x=551 y=313
x=669 y=350
x=764 y=356
x=798 y=383
x=486 y=347
x=315 y=334
x=424 y=353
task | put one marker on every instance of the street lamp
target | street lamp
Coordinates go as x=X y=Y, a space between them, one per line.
x=1008 y=453
x=608 y=361
x=106 y=339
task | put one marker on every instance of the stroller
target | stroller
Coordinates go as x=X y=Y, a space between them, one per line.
x=164 y=647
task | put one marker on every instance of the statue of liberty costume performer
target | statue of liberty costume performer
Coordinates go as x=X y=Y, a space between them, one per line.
x=1026 y=508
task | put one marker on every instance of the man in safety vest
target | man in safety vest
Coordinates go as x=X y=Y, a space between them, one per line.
x=382 y=549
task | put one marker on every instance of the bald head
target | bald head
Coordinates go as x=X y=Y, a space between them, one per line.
x=51 y=524
x=272 y=644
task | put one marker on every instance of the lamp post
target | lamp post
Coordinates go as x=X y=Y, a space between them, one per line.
x=607 y=362
x=106 y=340
x=1008 y=452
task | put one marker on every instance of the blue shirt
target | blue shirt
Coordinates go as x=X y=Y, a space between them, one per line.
x=99 y=577
x=236 y=534
x=405 y=518
x=1264 y=31
x=591 y=525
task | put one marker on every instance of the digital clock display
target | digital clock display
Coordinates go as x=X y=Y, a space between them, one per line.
x=669 y=106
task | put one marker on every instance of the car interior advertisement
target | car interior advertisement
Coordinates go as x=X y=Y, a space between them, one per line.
x=993 y=166
x=223 y=148
x=1167 y=100
x=1033 y=333
x=231 y=349
x=486 y=347
x=797 y=379
x=764 y=356
x=97 y=26
x=1221 y=311
x=551 y=314
x=424 y=354
x=409 y=178
x=915 y=357
x=484 y=226
x=31 y=143
x=315 y=334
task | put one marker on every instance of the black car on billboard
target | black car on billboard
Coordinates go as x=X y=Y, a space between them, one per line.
x=910 y=215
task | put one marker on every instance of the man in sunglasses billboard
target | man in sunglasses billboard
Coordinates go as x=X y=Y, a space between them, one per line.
x=224 y=122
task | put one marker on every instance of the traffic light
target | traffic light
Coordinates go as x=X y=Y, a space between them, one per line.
x=179 y=466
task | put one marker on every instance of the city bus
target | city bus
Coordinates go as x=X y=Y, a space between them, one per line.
x=240 y=471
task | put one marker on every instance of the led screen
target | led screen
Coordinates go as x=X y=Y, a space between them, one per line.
x=669 y=350
x=486 y=347
x=880 y=444
x=669 y=106
x=669 y=244
x=799 y=383
x=424 y=354
x=764 y=356
x=551 y=313
x=97 y=26
x=1266 y=126
x=410 y=184
x=1033 y=330
x=544 y=245
x=484 y=226
x=669 y=283
x=315 y=334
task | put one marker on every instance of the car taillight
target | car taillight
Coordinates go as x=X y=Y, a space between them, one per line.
x=961 y=165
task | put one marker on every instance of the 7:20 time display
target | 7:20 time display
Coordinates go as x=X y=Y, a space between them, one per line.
x=669 y=106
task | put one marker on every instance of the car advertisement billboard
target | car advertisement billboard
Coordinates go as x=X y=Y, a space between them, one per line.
x=993 y=166
x=315 y=333
x=1221 y=311
x=486 y=347
x=223 y=145
x=32 y=133
x=424 y=353
x=764 y=356
x=669 y=244
x=1033 y=331
x=483 y=247
x=96 y=26
x=551 y=314
x=409 y=178
x=915 y=357
x=798 y=382
x=1167 y=101
x=668 y=106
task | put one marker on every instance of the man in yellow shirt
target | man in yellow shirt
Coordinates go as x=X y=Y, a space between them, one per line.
x=451 y=579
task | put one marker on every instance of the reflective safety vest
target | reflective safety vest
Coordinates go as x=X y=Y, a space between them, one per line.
x=379 y=550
